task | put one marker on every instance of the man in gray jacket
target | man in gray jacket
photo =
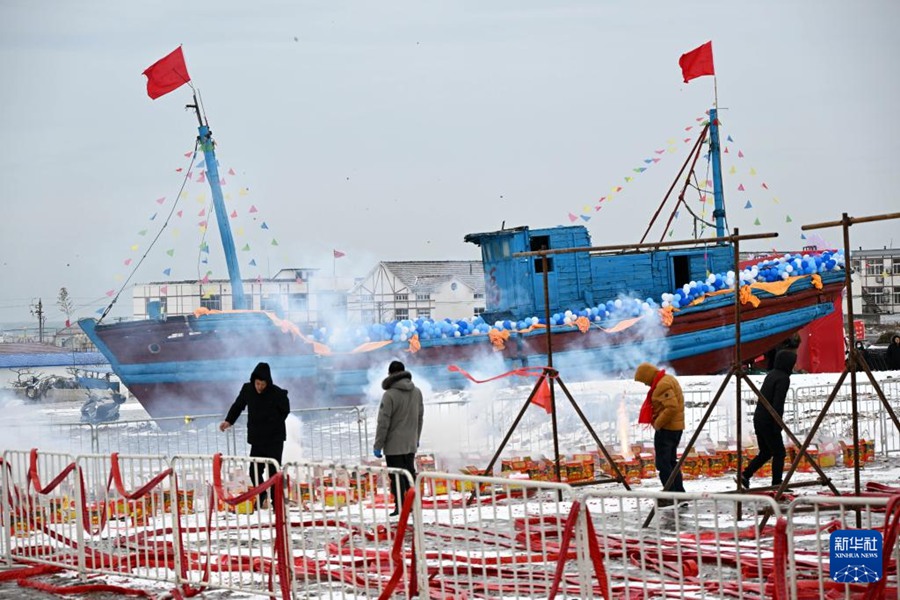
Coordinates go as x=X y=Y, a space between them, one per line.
x=399 y=427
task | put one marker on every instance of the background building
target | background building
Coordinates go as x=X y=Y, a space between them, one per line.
x=391 y=290
x=876 y=285
x=299 y=295
x=411 y=289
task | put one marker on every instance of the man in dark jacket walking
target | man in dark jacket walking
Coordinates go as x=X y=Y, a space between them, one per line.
x=892 y=356
x=267 y=408
x=768 y=432
x=399 y=427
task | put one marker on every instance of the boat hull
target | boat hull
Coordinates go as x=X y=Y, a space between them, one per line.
x=195 y=366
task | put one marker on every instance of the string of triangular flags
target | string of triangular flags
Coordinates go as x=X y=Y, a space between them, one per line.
x=176 y=247
x=743 y=187
x=652 y=158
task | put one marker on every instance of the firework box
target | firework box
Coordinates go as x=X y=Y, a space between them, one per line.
x=618 y=459
x=425 y=462
x=467 y=486
x=544 y=470
x=439 y=487
x=648 y=465
x=585 y=457
x=185 y=500
x=715 y=464
x=601 y=466
x=95 y=511
x=692 y=466
x=517 y=491
x=232 y=489
x=335 y=496
x=62 y=510
x=632 y=470
x=136 y=510
x=869 y=446
x=517 y=464
x=300 y=492
x=577 y=471
x=847 y=451
x=805 y=466
x=828 y=455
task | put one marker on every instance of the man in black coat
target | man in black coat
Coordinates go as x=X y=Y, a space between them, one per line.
x=768 y=432
x=267 y=408
x=892 y=356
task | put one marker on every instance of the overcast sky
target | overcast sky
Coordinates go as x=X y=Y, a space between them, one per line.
x=389 y=130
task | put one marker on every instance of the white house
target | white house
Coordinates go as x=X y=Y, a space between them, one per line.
x=411 y=289
x=297 y=294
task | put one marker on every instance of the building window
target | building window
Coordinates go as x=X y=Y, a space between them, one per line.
x=401 y=313
x=855 y=264
x=897 y=296
x=874 y=268
x=423 y=297
x=873 y=294
x=478 y=296
x=424 y=313
x=271 y=304
x=895 y=269
x=212 y=302
x=479 y=310
x=368 y=298
x=453 y=286
x=298 y=302
x=401 y=297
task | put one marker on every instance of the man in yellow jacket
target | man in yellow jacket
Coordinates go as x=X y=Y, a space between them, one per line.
x=664 y=409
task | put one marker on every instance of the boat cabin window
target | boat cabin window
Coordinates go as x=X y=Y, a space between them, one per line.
x=681 y=268
x=541 y=242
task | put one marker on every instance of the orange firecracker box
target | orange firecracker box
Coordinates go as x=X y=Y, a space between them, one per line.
x=690 y=469
x=425 y=462
x=185 y=500
x=617 y=459
x=805 y=466
x=62 y=510
x=847 y=451
x=585 y=457
x=715 y=464
x=545 y=470
x=600 y=463
x=468 y=486
x=648 y=465
x=577 y=471
x=632 y=470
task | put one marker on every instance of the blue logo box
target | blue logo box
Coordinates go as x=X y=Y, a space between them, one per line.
x=856 y=555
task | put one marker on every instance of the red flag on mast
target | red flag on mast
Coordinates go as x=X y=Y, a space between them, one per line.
x=338 y=253
x=697 y=63
x=167 y=74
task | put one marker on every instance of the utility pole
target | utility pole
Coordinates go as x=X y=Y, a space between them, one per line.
x=38 y=311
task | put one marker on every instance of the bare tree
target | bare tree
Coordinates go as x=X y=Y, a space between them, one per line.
x=65 y=304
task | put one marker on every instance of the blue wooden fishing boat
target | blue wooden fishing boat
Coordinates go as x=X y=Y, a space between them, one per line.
x=609 y=311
